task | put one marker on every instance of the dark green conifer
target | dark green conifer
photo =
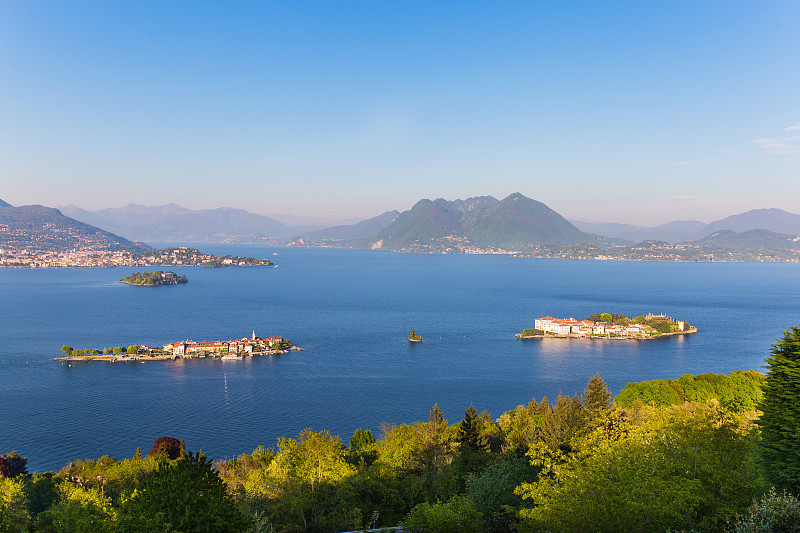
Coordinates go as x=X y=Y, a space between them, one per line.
x=780 y=422
x=596 y=397
x=469 y=430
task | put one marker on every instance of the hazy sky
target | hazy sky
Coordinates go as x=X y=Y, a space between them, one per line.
x=638 y=112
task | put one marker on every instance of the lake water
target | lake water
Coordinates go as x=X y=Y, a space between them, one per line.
x=351 y=311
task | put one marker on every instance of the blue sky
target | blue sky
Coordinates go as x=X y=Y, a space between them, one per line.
x=637 y=112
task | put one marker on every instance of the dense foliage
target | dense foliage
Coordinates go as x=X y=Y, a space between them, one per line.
x=780 y=423
x=660 y=323
x=740 y=391
x=577 y=463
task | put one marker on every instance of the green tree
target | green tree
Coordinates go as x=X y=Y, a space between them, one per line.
x=779 y=447
x=363 y=448
x=67 y=350
x=185 y=496
x=458 y=514
x=311 y=464
x=14 y=515
x=469 y=430
x=132 y=349
x=79 y=510
x=434 y=439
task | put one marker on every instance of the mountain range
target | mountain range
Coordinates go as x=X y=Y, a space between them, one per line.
x=481 y=224
x=774 y=220
x=173 y=223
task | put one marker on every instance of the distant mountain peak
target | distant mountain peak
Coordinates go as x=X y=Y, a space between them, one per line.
x=5 y=204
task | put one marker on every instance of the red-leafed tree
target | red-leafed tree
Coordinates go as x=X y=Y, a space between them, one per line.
x=168 y=446
x=13 y=464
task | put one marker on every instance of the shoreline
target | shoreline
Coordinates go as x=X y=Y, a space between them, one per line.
x=127 y=358
x=603 y=337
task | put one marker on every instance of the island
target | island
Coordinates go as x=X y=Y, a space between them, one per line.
x=153 y=279
x=413 y=337
x=188 y=349
x=609 y=326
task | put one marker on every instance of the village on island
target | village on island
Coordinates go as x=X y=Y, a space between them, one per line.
x=608 y=326
x=188 y=349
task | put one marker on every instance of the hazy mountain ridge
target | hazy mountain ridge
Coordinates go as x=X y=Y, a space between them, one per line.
x=40 y=228
x=754 y=239
x=358 y=230
x=773 y=220
x=172 y=222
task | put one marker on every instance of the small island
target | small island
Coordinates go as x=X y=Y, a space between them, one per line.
x=608 y=326
x=233 y=349
x=413 y=337
x=153 y=279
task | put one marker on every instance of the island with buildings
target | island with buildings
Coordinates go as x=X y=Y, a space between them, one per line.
x=153 y=279
x=609 y=326
x=185 y=349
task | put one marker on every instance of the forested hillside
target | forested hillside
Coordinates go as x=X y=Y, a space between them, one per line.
x=683 y=460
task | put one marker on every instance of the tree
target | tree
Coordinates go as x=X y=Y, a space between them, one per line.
x=13 y=464
x=79 y=509
x=363 y=448
x=182 y=496
x=67 y=350
x=13 y=511
x=434 y=439
x=310 y=464
x=469 y=430
x=596 y=397
x=168 y=446
x=132 y=349
x=779 y=448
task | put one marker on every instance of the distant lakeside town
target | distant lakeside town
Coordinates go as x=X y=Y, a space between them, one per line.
x=169 y=257
x=609 y=326
x=186 y=349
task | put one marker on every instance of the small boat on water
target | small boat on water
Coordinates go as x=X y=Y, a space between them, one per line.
x=230 y=357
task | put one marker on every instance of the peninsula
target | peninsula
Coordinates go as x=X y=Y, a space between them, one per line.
x=188 y=349
x=609 y=326
x=153 y=279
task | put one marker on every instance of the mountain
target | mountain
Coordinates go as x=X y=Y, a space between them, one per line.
x=5 y=204
x=676 y=231
x=516 y=222
x=426 y=223
x=774 y=220
x=519 y=222
x=171 y=222
x=359 y=230
x=754 y=239
x=470 y=204
x=41 y=229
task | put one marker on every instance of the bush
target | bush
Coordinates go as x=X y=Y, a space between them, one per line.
x=774 y=512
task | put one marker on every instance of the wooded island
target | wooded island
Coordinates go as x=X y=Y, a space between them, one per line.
x=153 y=279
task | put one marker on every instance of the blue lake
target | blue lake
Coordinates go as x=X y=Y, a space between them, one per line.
x=351 y=311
